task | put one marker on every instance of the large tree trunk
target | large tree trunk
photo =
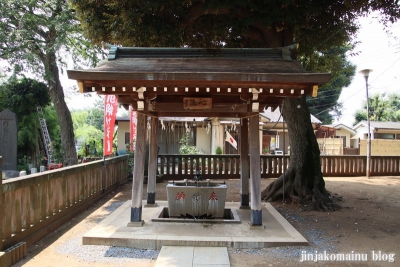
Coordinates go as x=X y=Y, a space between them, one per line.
x=302 y=181
x=63 y=113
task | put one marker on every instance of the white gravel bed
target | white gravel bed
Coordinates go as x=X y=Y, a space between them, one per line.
x=104 y=254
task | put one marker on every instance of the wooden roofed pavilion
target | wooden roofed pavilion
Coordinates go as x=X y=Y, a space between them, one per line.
x=227 y=82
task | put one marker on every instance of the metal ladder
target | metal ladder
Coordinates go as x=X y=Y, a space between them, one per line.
x=45 y=134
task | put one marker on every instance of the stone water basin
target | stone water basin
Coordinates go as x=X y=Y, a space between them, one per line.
x=196 y=198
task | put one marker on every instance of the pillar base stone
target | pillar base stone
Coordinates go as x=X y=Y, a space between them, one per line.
x=136 y=224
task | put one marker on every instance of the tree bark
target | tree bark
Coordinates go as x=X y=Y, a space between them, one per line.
x=302 y=182
x=63 y=114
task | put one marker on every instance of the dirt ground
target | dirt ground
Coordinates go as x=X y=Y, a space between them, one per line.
x=367 y=226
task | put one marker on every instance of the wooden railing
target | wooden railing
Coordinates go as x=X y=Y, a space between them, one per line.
x=356 y=165
x=228 y=166
x=32 y=206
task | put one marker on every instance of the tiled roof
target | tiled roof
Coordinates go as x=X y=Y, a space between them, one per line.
x=381 y=124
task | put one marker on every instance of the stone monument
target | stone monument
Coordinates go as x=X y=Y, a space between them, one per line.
x=8 y=139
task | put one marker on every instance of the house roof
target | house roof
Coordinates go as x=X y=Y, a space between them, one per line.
x=159 y=81
x=275 y=116
x=341 y=126
x=376 y=125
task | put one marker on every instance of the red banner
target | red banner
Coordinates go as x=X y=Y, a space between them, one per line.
x=132 y=127
x=110 y=111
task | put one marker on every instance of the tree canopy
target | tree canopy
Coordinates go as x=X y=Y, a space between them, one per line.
x=36 y=37
x=229 y=23
x=88 y=129
x=382 y=107
x=333 y=61
x=23 y=96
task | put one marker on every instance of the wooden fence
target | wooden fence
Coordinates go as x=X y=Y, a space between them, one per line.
x=228 y=166
x=381 y=147
x=34 y=205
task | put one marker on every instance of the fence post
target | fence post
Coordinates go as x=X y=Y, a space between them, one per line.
x=103 y=181
x=1 y=206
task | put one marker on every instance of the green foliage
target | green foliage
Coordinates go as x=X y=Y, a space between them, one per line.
x=218 y=151
x=30 y=30
x=22 y=96
x=54 y=129
x=131 y=153
x=186 y=147
x=22 y=164
x=333 y=61
x=39 y=37
x=229 y=23
x=382 y=107
x=96 y=115
x=87 y=131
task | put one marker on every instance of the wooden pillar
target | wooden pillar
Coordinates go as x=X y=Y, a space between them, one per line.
x=244 y=164
x=152 y=171
x=138 y=172
x=1 y=207
x=255 y=171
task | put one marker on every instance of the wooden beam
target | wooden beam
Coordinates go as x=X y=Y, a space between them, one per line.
x=314 y=91
x=201 y=114
x=81 y=87
x=197 y=87
x=178 y=107
x=197 y=78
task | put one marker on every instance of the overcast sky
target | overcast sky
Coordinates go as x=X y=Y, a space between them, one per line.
x=379 y=53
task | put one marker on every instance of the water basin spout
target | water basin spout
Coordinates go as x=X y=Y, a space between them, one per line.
x=197 y=176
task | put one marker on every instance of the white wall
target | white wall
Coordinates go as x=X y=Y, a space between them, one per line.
x=345 y=133
x=362 y=132
x=203 y=140
x=217 y=135
x=123 y=127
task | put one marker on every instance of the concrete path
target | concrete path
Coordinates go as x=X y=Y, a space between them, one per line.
x=177 y=256
x=114 y=230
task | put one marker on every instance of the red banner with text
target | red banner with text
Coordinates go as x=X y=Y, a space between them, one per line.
x=132 y=127
x=110 y=112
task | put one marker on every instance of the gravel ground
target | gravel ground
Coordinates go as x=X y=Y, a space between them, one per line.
x=104 y=254
x=318 y=241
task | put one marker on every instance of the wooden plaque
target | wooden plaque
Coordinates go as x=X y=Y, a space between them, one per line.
x=197 y=103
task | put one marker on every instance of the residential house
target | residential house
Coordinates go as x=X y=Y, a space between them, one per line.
x=337 y=139
x=385 y=137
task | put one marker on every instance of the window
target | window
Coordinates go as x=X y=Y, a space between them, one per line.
x=384 y=136
x=127 y=137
